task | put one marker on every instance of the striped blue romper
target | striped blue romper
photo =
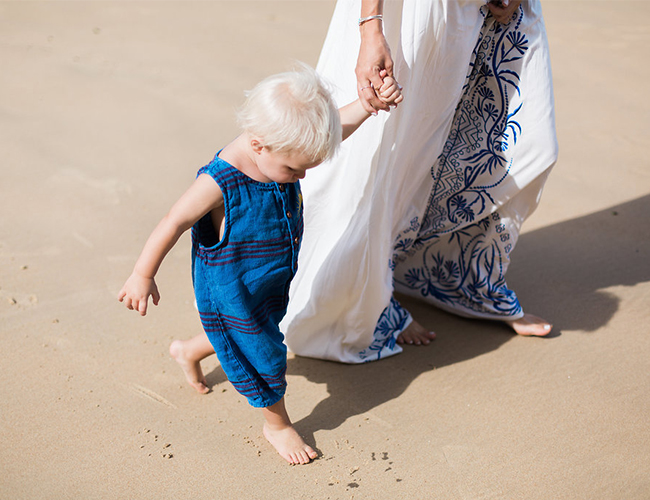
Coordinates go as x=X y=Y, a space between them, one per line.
x=241 y=282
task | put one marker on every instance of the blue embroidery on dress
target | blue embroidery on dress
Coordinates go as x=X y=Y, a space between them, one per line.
x=391 y=323
x=474 y=281
x=473 y=160
x=461 y=217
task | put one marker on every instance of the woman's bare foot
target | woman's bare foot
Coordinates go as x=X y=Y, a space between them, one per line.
x=279 y=431
x=415 y=334
x=530 y=325
x=187 y=355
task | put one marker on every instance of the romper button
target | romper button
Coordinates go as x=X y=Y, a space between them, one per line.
x=288 y=215
x=281 y=186
x=295 y=240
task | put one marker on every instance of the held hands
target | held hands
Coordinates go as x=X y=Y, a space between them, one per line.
x=389 y=92
x=136 y=291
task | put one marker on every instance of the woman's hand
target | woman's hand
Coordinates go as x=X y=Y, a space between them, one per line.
x=503 y=10
x=374 y=56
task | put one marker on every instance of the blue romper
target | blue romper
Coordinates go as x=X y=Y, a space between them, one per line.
x=241 y=282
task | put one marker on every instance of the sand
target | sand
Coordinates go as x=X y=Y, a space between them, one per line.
x=107 y=109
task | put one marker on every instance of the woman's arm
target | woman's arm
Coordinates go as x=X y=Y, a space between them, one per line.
x=203 y=196
x=374 y=56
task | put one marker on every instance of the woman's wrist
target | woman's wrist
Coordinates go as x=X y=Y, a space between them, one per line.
x=371 y=29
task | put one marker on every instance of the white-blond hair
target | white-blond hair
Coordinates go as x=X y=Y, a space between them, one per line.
x=293 y=112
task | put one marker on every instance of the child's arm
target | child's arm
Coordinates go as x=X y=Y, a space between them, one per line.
x=202 y=196
x=352 y=116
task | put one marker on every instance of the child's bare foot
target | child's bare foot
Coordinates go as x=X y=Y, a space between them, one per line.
x=415 y=334
x=530 y=325
x=191 y=366
x=279 y=431
x=289 y=444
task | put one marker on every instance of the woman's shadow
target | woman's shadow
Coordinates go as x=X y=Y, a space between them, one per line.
x=560 y=272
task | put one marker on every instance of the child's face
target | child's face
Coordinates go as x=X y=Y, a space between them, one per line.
x=283 y=167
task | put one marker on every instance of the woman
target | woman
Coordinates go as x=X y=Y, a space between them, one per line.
x=427 y=200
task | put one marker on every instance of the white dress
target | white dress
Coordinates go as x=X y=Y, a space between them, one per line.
x=428 y=199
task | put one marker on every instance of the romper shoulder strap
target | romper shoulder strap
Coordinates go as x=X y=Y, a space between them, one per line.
x=224 y=174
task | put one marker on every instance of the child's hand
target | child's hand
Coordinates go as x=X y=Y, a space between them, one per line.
x=390 y=92
x=136 y=291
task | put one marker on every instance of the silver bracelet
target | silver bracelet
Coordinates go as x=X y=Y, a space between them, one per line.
x=370 y=18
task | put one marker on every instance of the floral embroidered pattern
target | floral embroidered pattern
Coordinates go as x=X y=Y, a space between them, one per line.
x=461 y=250
x=391 y=323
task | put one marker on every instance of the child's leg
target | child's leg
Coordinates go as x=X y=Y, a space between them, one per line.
x=188 y=354
x=280 y=432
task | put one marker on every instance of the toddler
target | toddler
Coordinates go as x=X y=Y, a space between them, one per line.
x=245 y=214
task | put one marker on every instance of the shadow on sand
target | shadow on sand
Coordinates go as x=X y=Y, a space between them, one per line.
x=560 y=272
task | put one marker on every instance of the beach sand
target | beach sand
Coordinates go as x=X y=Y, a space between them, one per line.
x=107 y=109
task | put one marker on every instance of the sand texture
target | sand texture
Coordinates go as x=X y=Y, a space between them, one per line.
x=107 y=109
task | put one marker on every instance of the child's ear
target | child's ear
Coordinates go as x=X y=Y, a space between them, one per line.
x=256 y=145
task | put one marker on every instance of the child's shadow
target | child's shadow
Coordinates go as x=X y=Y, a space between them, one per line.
x=559 y=273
